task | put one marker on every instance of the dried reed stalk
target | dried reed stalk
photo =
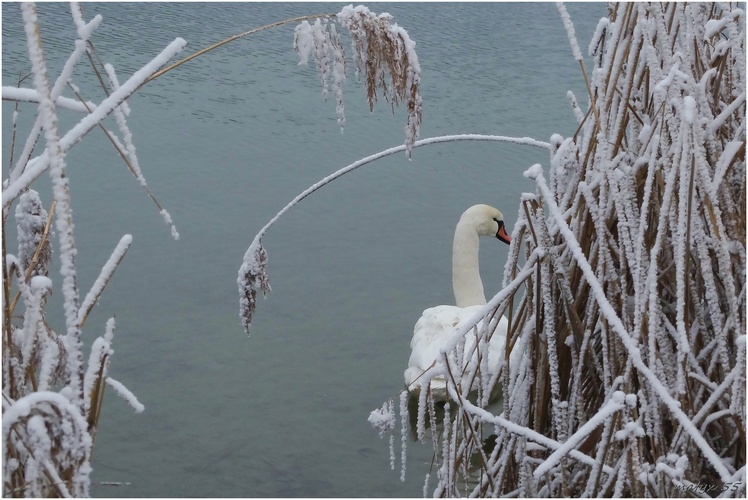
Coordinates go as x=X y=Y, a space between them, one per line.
x=234 y=38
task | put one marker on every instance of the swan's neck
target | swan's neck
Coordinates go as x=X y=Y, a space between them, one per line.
x=466 y=282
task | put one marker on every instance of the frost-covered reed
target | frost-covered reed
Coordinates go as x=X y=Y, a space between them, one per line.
x=52 y=397
x=626 y=281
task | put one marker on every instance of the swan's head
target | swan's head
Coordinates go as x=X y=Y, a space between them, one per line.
x=487 y=221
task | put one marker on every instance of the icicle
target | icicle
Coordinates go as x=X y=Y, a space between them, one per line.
x=421 y=417
x=445 y=471
x=338 y=74
x=426 y=485
x=303 y=42
x=403 y=432
x=392 y=452
x=321 y=50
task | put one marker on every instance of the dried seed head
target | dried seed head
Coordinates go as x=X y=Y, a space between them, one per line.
x=252 y=277
x=381 y=48
x=382 y=51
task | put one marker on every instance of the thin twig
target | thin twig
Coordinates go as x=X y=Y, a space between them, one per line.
x=233 y=38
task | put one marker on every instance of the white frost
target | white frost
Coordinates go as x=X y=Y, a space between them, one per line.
x=569 y=26
x=125 y=394
x=383 y=419
x=105 y=275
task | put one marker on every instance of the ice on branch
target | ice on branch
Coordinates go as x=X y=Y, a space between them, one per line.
x=35 y=167
x=167 y=218
x=31 y=95
x=384 y=56
x=51 y=437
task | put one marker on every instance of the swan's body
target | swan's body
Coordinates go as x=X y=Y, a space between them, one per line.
x=438 y=325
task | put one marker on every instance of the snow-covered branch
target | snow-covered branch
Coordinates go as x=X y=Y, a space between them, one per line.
x=252 y=274
x=31 y=95
x=106 y=274
x=39 y=165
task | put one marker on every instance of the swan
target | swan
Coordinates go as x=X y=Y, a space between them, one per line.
x=438 y=325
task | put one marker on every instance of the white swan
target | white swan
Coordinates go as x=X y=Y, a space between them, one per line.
x=438 y=325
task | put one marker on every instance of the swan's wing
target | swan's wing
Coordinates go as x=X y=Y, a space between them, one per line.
x=432 y=332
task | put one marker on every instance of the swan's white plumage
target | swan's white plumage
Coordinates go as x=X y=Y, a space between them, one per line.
x=438 y=325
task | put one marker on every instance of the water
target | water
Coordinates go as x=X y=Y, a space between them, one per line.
x=225 y=141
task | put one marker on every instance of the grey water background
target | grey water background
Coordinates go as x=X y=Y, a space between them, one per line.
x=225 y=141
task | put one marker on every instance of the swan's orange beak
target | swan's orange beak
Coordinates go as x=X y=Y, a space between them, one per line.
x=501 y=234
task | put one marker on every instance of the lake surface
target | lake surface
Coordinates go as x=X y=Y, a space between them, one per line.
x=225 y=141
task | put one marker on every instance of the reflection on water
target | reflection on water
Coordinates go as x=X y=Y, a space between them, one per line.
x=225 y=141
